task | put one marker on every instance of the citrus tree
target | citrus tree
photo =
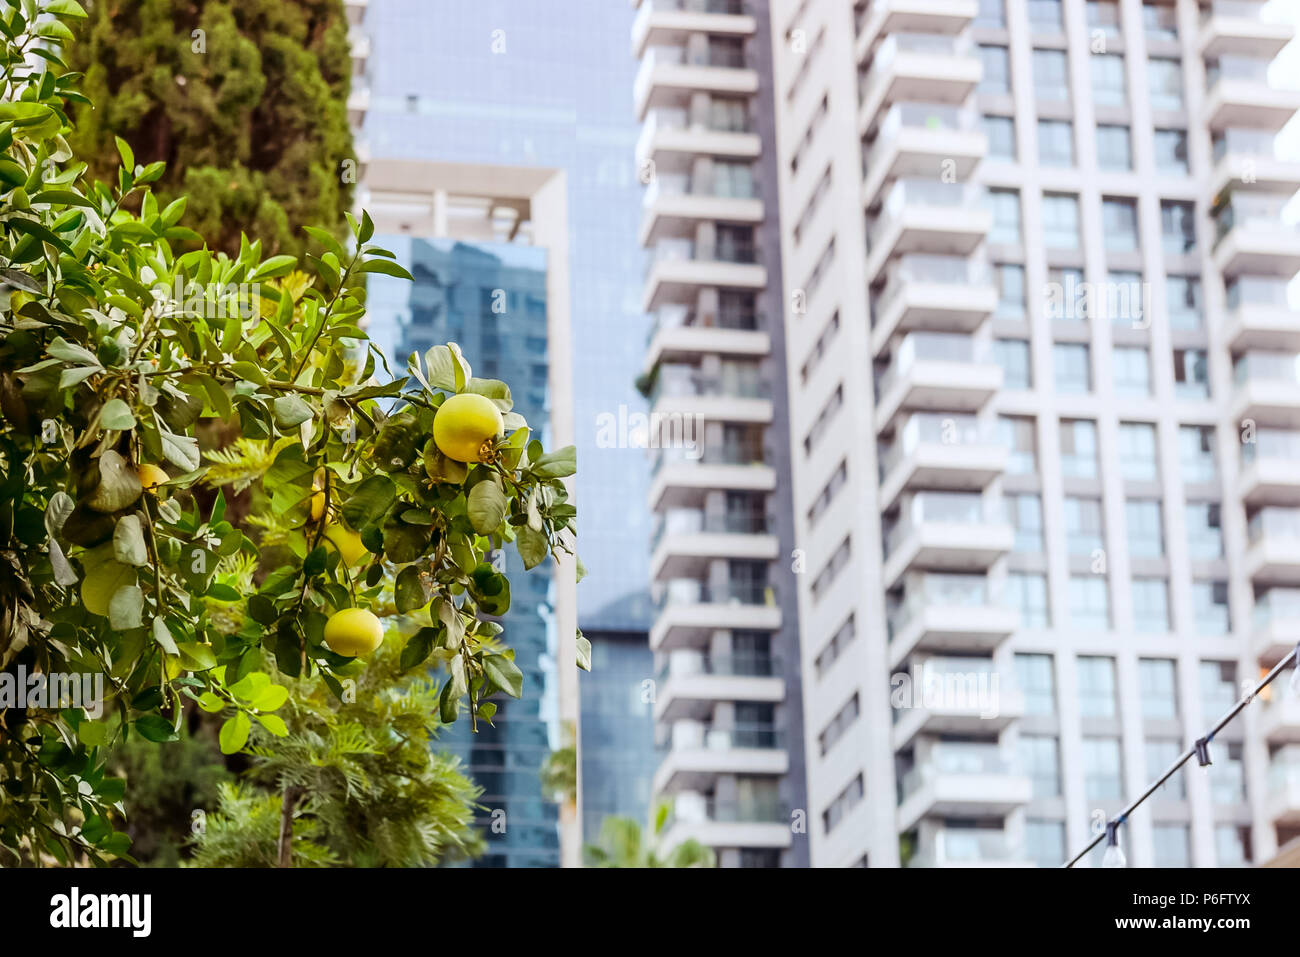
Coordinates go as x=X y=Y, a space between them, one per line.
x=380 y=492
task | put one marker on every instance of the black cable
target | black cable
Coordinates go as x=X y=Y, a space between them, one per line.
x=1222 y=723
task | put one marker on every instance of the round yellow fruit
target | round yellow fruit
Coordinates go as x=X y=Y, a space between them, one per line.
x=466 y=426
x=353 y=632
x=347 y=542
x=151 y=476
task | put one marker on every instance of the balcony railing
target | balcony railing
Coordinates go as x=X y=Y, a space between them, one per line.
x=940 y=428
x=929 y=268
x=737 y=664
x=926 y=193
x=1274 y=522
x=713 y=811
x=750 y=453
x=1267 y=367
x=681 y=521
x=966 y=845
x=1252 y=211
x=690 y=592
x=929 y=346
x=1278 y=604
x=732 y=7
x=742 y=735
x=736 y=382
x=951 y=758
x=937 y=590
x=917 y=116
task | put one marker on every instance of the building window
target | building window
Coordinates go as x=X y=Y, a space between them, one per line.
x=1114 y=148
x=1126 y=299
x=831 y=570
x=1218 y=682
x=1228 y=775
x=1072 y=366
x=1051 y=75
x=1204 y=531
x=1103 y=779
x=1084 y=533
x=1197 y=454
x=1191 y=374
x=1079 y=448
x=1178 y=226
x=1156 y=681
x=1160 y=21
x=835 y=647
x=1055 y=143
x=1210 y=607
x=1041 y=762
x=1132 y=371
x=1017 y=433
x=823 y=421
x=1165 y=79
x=1171 y=845
x=1232 y=845
x=1010 y=278
x=1146 y=537
x=1061 y=221
x=844 y=802
x=1137 y=451
x=1037 y=683
x=1108 y=85
x=997 y=70
x=992 y=15
x=1027 y=593
x=1005 y=205
x=1045 y=16
x=1183 y=300
x=1025 y=514
x=839 y=724
x=1013 y=356
x=1089 y=602
x=1045 y=842
x=827 y=495
x=1150 y=605
x=1103 y=15
x=1001 y=133
x=1119 y=224
x=820 y=348
x=1159 y=754
x=1171 y=151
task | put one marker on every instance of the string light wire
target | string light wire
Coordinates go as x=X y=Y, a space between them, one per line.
x=1236 y=709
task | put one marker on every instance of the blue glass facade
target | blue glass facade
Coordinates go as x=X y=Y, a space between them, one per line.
x=548 y=84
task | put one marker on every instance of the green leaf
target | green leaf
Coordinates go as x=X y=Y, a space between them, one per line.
x=211 y=703
x=92 y=734
x=65 y=8
x=409 y=592
x=181 y=451
x=116 y=414
x=275 y=724
x=273 y=267
x=291 y=410
x=584 y=652
x=504 y=674
x=60 y=348
x=417 y=648
x=532 y=545
x=234 y=733
x=486 y=506
x=155 y=728
x=126 y=609
x=271 y=697
x=196 y=656
x=128 y=541
x=369 y=501
x=556 y=464
x=124 y=150
x=385 y=267
x=162 y=634
x=249 y=371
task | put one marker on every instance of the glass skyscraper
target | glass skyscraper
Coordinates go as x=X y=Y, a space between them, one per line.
x=523 y=84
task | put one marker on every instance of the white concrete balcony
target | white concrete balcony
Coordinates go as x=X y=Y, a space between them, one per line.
x=1267 y=390
x=676 y=276
x=1249 y=101
x=687 y=542
x=669 y=22
x=1267 y=479
x=667 y=74
x=358 y=104
x=925 y=216
x=668 y=139
x=1273 y=551
x=920 y=140
x=968 y=847
x=960 y=696
x=935 y=372
x=944 y=531
x=689 y=611
x=935 y=625
x=1279 y=718
x=671 y=209
x=685 y=395
x=683 y=475
x=1283 y=801
x=969 y=782
x=681 y=334
x=1275 y=624
x=1240 y=27
x=933 y=293
x=698 y=753
x=940 y=450
x=1248 y=160
x=886 y=17
x=922 y=68
x=1259 y=316
x=693 y=681
x=1252 y=239
x=718 y=824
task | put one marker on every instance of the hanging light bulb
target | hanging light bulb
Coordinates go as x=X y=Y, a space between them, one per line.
x=1114 y=856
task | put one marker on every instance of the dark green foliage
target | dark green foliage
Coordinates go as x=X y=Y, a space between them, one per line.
x=249 y=115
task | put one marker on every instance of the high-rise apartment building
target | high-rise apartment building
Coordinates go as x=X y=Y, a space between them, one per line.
x=725 y=631
x=1043 y=433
